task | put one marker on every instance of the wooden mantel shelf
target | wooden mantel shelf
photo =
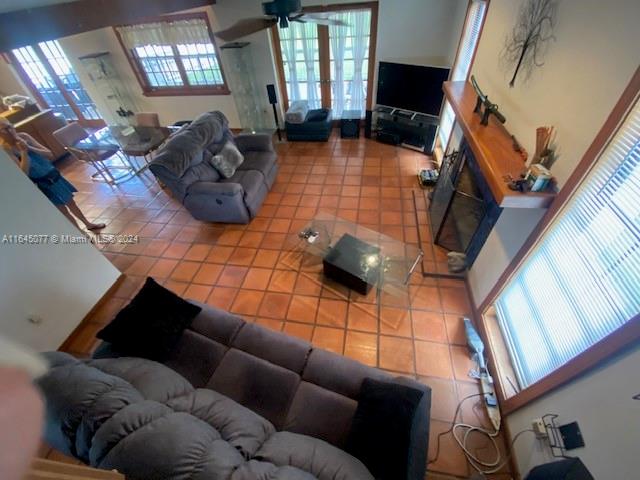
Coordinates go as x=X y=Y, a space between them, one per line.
x=493 y=149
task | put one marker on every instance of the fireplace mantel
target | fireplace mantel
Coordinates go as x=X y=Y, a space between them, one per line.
x=492 y=147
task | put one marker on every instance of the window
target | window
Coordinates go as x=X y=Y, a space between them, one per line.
x=46 y=70
x=328 y=66
x=176 y=55
x=460 y=71
x=580 y=282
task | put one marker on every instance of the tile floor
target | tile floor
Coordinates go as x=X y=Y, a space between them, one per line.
x=240 y=268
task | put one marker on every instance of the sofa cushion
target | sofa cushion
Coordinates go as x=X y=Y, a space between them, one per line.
x=265 y=388
x=297 y=111
x=381 y=430
x=321 y=413
x=201 y=172
x=151 y=324
x=253 y=184
x=254 y=469
x=239 y=426
x=318 y=115
x=317 y=457
x=227 y=160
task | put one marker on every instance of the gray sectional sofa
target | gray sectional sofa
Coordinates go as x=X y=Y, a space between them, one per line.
x=233 y=401
x=184 y=165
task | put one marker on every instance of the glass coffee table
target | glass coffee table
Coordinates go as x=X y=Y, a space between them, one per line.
x=368 y=269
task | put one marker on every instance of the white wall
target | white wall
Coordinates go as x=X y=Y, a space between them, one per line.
x=609 y=419
x=59 y=283
x=586 y=70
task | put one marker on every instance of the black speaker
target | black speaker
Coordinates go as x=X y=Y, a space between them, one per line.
x=567 y=469
x=367 y=123
x=271 y=91
x=350 y=128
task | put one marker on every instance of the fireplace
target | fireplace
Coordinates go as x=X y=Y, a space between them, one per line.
x=462 y=210
x=472 y=189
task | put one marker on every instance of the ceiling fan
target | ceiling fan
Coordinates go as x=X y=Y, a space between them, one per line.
x=279 y=12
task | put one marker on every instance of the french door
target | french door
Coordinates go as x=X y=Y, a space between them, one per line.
x=329 y=66
x=47 y=72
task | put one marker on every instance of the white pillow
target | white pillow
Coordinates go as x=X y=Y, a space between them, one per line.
x=227 y=160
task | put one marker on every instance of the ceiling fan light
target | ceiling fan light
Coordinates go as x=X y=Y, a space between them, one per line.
x=284 y=22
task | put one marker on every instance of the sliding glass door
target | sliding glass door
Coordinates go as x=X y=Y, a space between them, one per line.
x=46 y=70
x=328 y=66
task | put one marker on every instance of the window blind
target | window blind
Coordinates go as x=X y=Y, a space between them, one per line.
x=580 y=282
x=460 y=70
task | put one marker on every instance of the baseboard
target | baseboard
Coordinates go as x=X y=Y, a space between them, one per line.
x=76 y=331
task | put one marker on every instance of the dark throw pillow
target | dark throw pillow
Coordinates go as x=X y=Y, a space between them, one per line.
x=152 y=323
x=381 y=430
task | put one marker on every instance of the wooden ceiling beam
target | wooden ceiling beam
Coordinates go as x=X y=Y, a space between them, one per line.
x=26 y=27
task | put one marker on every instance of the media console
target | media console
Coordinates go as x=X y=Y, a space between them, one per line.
x=405 y=128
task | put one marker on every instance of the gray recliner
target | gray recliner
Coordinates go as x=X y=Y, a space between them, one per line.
x=234 y=401
x=184 y=165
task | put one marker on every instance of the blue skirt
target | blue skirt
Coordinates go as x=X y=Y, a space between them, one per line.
x=59 y=192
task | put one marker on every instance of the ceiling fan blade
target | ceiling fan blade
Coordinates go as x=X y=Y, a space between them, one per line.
x=320 y=19
x=245 y=27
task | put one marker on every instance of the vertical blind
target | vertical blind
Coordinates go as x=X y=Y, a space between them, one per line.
x=468 y=42
x=581 y=281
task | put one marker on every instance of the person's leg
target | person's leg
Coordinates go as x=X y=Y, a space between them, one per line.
x=73 y=206
x=66 y=213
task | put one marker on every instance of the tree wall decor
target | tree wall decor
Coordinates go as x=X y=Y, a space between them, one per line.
x=526 y=44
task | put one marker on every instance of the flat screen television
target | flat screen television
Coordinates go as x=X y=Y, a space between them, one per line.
x=411 y=87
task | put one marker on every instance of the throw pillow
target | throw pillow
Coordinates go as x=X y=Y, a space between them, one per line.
x=151 y=324
x=381 y=430
x=227 y=160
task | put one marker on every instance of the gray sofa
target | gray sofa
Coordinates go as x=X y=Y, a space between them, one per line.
x=233 y=401
x=183 y=165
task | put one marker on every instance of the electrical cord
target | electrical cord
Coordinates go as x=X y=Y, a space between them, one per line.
x=480 y=466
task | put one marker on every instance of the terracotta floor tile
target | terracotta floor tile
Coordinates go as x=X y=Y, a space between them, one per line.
x=222 y=297
x=308 y=284
x=331 y=339
x=251 y=239
x=275 y=305
x=425 y=298
x=454 y=300
x=247 y=302
x=451 y=459
x=176 y=250
x=219 y=254
x=303 y=309
x=232 y=276
x=300 y=330
x=396 y=354
x=198 y=252
x=163 y=268
x=176 y=286
x=185 y=271
x=443 y=398
x=332 y=313
x=198 y=292
x=141 y=266
x=282 y=281
x=242 y=256
x=433 y=359
x=455 y=329
x=208 y=274
x=230 y=237
x=395 y=321
x=362 y=347
x=155 y=248
x=257 y=278
x=362 y=317
x=429 y=326
x=279 y=225
x=462 y=362
x=266 y=258
x=270 y=323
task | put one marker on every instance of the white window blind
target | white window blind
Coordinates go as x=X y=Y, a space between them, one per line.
x=468 y=42
x=581 y=281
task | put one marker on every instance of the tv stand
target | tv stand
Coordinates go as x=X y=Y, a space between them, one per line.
x=405 y=128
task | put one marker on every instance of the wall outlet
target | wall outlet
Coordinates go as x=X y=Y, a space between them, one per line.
x=538 y=427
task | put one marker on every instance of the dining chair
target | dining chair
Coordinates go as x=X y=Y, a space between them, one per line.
x=71 y=134
x=147 y=119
